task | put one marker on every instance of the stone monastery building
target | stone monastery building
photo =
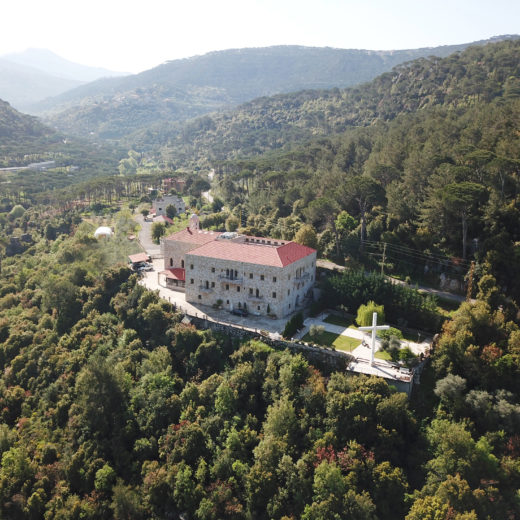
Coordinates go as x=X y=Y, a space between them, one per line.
x=266 y=276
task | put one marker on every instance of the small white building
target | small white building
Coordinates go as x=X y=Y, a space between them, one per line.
x=103 y=232
x=159 y=205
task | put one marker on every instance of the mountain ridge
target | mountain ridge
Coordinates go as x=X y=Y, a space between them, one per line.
x=266 y=123
x=55 y=65
x=181 y=89
x=36 y=74
x=22 y=85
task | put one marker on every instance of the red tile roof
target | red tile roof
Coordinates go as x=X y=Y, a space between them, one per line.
x=139 y=257
x=292 y=251
x=273 y=256
x=163 y=218
x=176 y=273
x=194 y=236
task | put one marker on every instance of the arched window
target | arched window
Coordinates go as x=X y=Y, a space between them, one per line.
x=182 y=264
x=171 y=262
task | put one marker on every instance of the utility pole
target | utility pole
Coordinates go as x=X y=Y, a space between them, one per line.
x=384 y=259
x=470 y=281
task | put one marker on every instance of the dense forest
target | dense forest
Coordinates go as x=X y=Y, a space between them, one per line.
x=439 y=185
x=114 y=408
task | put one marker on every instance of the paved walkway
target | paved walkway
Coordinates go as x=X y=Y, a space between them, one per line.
x=361 y=351
x=145 y=237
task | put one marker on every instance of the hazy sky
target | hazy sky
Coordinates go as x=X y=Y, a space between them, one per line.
x=130 y=35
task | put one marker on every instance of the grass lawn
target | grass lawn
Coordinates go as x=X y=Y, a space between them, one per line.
x=334 y=340
x=381 y=354
x=347 y=322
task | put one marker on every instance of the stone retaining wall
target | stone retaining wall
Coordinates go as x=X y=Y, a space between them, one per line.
x=322 y=358
x=329 y=358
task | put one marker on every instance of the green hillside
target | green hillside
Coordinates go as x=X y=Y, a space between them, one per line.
x=25 y=140
x=182 y=89
x=19 y=130
x=114 y=406
x=477 y=75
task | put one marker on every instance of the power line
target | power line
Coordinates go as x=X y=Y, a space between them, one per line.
x=416 y=251
x=426 y=257
x=408 y=262
x=412 y=261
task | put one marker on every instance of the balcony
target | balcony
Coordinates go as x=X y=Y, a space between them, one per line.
x=237 y=280
x=254 y=297
x=304 y=277
x=203 y=288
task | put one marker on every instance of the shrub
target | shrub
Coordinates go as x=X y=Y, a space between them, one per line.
x=364 y=314
x=17 y=212
x=293 y=325
x=393 y=347
x=392 y=332
x=316 y=330
x=232 y=223
x=407 y=356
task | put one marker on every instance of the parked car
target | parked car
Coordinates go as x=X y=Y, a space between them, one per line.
x=145 y=267
x=240 y=312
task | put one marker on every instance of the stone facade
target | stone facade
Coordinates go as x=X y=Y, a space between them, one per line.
x=174 y=252
x=160 y=205
x=175 y=247
x=261 y=289
x=266 y=276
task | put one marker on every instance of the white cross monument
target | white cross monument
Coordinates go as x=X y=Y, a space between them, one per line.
x=374 y=328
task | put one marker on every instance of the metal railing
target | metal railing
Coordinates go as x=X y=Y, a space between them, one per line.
x=230 y=279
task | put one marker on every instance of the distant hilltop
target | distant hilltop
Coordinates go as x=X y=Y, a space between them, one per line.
x=35 y=74
x=183 y=89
